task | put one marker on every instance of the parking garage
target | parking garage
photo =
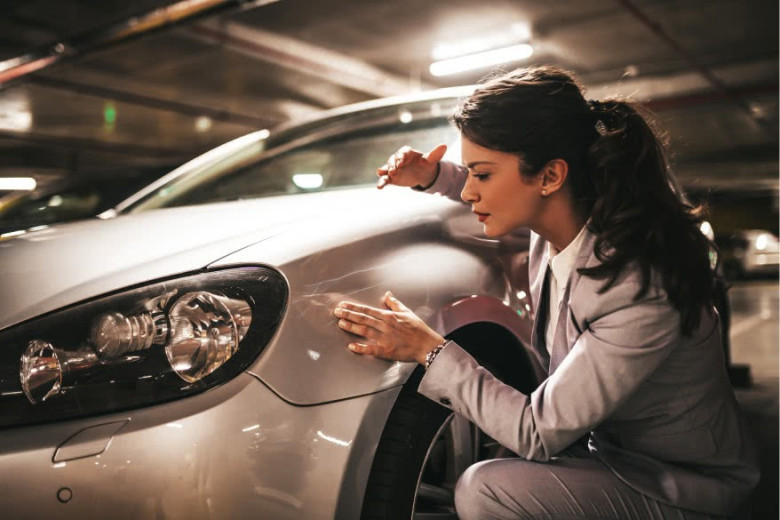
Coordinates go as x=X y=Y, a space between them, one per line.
x=208 y=163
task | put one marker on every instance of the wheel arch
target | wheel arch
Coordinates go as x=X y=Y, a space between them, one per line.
x=494 y=334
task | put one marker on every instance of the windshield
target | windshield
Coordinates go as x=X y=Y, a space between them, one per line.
x=345 y=161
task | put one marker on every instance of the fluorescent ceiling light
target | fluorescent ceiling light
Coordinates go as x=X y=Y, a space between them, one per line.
x=481 y=60
x=17 y=183
x=307 y=181
x=518 y=32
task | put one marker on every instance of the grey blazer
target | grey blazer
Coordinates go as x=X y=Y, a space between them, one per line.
x=657 y=407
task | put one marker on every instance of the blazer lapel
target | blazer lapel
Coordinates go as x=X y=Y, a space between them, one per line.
x=567 y=328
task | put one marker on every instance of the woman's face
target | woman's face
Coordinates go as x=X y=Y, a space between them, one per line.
x=499 y=195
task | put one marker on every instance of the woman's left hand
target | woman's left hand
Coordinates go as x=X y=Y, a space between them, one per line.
x=395 y=333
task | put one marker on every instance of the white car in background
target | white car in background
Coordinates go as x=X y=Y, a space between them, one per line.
x=749 y=253
x=180 y=359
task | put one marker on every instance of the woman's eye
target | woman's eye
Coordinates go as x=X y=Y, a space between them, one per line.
x=481 y=176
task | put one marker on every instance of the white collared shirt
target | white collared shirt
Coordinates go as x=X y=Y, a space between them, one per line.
x=561 y=264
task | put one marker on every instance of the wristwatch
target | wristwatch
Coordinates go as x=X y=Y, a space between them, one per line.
x=430 y=356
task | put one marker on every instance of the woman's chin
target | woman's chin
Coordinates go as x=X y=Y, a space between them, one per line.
x=492 y=231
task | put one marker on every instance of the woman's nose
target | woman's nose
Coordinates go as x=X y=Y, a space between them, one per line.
x=468 y=194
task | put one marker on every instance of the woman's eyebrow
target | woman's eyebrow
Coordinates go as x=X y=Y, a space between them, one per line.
x=471 y=165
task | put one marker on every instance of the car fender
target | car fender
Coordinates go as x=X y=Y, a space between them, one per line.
x=447 y=282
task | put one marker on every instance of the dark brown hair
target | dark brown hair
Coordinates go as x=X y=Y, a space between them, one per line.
x=618 y=176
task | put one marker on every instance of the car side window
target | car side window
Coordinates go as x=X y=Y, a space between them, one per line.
x=344 y=162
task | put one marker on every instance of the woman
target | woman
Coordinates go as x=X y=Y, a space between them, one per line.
x=622 y=285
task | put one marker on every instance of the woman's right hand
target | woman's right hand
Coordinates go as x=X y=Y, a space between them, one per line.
x=408 y=167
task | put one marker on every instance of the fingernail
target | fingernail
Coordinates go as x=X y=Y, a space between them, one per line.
x=339 y=312
x=352 y=346
x=343 y=323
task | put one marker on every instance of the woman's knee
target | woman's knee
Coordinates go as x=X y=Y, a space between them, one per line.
x=472 y=492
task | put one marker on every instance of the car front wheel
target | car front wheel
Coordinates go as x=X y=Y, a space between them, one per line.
x=425 y=447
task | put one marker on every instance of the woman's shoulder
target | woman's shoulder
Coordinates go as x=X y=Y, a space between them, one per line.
x=594 y=296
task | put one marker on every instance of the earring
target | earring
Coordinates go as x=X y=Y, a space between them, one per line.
x=544 y=192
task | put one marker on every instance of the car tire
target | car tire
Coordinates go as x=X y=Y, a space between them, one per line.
x=401 y=454
x=425 y=447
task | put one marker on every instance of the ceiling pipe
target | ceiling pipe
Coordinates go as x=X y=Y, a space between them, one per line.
x=155 y=102
x=126 y=30
x=720 y=88
x=80 y=143
x=302 y=56
x=709 y=98
x=656 y=28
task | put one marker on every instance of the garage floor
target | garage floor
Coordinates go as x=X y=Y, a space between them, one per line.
x=755 y=341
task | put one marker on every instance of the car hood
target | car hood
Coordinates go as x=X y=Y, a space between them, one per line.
x=54 y=267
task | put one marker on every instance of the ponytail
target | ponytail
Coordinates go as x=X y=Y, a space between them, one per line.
x=640 y=215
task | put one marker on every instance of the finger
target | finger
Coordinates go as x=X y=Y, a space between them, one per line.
x=436 y=154
x=407 y=158
x=361 y=348
x=383 y=181
x=393 y=303
x=400 y=157
x=360 y=318
x=363 y=331
x=362 y=309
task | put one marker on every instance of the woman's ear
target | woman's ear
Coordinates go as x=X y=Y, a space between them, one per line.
x=554 y=175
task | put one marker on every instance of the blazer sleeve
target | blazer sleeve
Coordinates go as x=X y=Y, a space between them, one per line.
x=616 y=352
x=450 y=181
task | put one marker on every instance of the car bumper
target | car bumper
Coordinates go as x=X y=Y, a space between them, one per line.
x=237 y=451
x=763 y=263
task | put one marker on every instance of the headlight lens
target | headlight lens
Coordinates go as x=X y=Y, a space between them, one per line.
x=143 y=346
x=207 y=329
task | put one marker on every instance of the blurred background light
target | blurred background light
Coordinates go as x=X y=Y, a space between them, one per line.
x=17 y=183
x=307 y=181
x=481 y=60
x=203 y=124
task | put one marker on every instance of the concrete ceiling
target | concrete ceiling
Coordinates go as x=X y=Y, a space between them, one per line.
x=182 y=77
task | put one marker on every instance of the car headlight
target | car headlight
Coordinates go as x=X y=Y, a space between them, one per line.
x=147 y=345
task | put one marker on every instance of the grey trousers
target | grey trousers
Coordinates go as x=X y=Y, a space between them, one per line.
x=563 y=488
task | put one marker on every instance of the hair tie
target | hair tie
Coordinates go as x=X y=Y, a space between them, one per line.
x=597 y=107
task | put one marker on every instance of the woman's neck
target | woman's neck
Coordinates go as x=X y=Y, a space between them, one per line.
x=560 y=222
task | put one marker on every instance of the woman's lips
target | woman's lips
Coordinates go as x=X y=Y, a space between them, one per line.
x=482 y=216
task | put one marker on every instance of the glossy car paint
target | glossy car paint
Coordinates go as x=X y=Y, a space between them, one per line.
x=237 y=451
x=294 y=436
x=419 y=247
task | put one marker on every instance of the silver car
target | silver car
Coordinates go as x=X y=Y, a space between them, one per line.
x=180 y=359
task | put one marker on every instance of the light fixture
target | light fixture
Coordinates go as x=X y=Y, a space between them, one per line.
x=495 y=39
x=109 y=113
x=203 y=124
x=405 y=116
x=15 y=112
x=481 y=59
x=307 y=181
x=17 y=183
